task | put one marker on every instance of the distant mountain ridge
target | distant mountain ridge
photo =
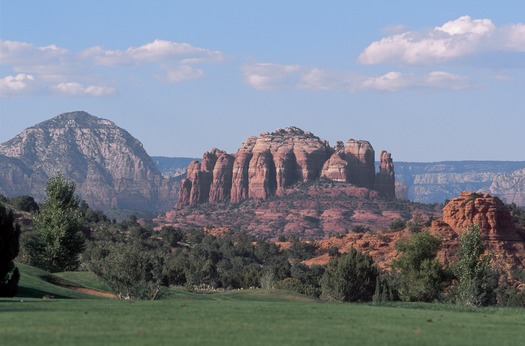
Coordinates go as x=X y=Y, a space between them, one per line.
x=110 y=167
x=435 y=182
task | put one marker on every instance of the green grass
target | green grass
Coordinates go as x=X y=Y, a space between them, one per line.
x=250 y=317
x=84 y=279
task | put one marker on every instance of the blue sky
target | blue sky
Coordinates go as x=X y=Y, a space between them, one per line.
x=425 y=80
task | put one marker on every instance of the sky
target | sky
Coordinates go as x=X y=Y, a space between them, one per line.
x=426 y=80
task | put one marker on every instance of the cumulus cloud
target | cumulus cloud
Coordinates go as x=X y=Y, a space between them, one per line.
x=265 y=76
x=20 y=83
x=61 y=70
x=395 y=81
x=77 y=89
x=153 y=52
x=455 y=39
x=183 y=73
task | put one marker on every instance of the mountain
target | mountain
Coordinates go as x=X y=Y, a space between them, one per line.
x=172 y=166
x=435 y=182
x=110 y=167
x=269 y=164
x=290 y=182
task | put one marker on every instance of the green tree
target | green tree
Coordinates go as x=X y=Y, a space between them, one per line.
x=419 y=273
x=9 y=246
x=132 y=270
x=477 y=281
x=57 y=241
x=351 y=277
x=24 y=203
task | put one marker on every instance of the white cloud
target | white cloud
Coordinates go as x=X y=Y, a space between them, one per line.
x=183 y=73
x=265 y=76
x=59 y=69
x=77 y=89
x=395 y=81
x=20 y=83
x=455 y=39
x=153 y=52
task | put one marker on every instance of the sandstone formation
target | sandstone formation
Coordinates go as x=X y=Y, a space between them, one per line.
x=488 y=212
x=385 y=180
x=271 y=163
x=110 y=168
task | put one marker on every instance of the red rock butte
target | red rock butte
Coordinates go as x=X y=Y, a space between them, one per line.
x=267 y=165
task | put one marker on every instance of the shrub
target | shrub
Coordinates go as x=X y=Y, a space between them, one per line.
x=396 y=225
x=9 y=247
x=477 y=281
x=419 y=273
x=24 y=203
x=351 y=277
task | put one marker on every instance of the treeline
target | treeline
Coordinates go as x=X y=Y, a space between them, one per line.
x=139 y=263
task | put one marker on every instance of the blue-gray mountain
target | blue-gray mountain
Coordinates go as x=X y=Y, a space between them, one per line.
x=435 y=182
x=110 y=167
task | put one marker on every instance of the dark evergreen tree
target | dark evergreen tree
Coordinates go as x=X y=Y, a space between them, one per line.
x=9 y=247
x=57 y=241
x=351 y=277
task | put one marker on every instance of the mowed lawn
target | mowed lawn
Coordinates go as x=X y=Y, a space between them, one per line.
x=251 y=317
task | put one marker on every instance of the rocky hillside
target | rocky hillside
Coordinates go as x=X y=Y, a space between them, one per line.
x=111 y=169
x=308 y=210
x=505 y=240
x=269 y=164
x=435 y=182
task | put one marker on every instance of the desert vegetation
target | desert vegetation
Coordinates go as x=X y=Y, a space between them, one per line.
x=130 y=260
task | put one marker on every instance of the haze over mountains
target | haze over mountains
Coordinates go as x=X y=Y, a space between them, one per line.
x=112 y=169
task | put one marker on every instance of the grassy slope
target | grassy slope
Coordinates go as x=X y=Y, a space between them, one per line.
x=246 y=317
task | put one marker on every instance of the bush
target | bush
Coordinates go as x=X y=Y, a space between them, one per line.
x=477 y=281
x=396 y=225
x=351 y=277
x=386 y=289
x=24 y=203
x=419 y=273
x=9 y=247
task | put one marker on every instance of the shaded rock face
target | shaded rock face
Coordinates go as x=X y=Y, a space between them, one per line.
x=490 y=213
x=385 y=180
x=267 y=165
x=353 y=163
x=110 y=168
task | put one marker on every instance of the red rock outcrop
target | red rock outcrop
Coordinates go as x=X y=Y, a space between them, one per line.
x=490 y=213
x=269 y=164
x=385 y=180
x=222 y=178
x=353 y=163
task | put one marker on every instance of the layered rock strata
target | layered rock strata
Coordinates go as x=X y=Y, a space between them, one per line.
x=490 y=213
x=267 y=165
x=110 y=168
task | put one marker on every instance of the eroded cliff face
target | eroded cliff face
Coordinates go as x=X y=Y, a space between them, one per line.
x=490 y=213
x=110 y=168
x=267 y=165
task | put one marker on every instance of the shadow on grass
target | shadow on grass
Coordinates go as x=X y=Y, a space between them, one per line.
x=29 y=292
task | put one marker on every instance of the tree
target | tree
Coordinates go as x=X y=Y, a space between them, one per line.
x=132 y=270
x=24 y=203
x=57 y=240
x=477 y=281
x=351 y=277
x=419 y=273
x=9 y=247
